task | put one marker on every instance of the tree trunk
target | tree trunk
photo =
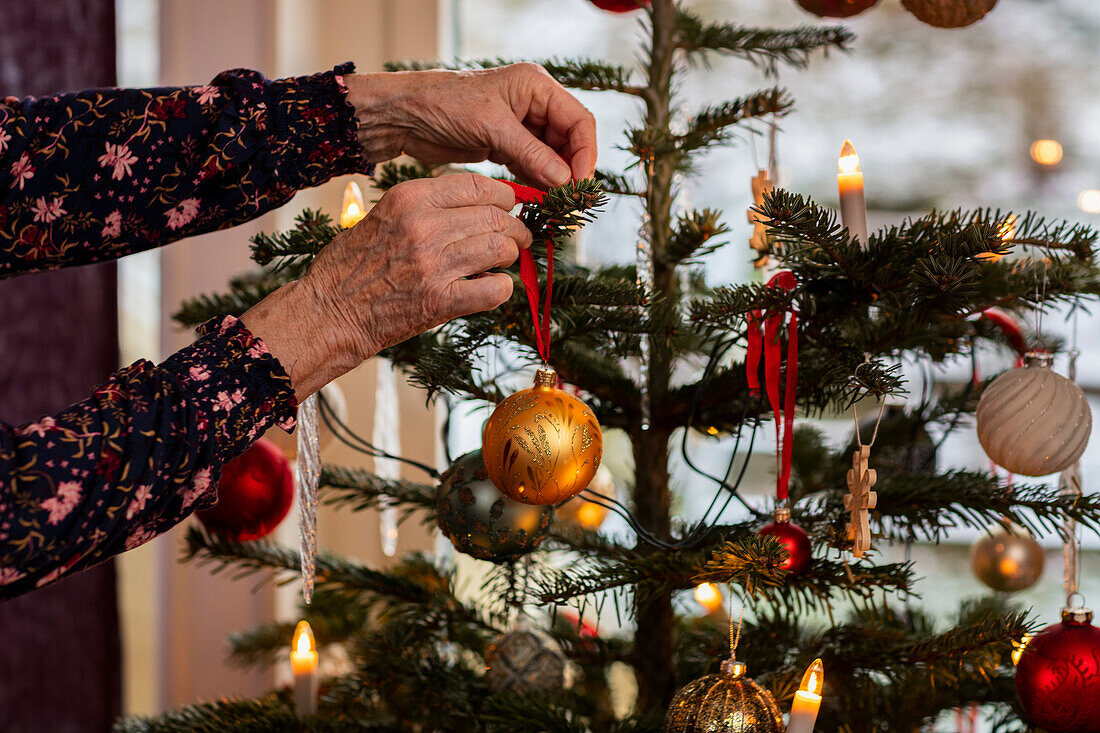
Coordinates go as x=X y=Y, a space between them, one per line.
x=653 y=667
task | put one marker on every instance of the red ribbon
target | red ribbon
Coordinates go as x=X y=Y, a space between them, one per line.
x=529 y=276
x=1010 y=327
x=768 y=344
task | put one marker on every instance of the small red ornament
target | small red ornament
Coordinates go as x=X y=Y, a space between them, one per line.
x=620 y=6
x=793 y=537
x=836 y=8
x=254 y=494
x=1058 y=675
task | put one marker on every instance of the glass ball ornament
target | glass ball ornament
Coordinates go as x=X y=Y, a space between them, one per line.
x=1058 y=675
x=1007 y=560
x=794 y=538
x=1033 y=421
x=949 y=13
x=255 y=493
x=482 y=522
x=836 y=8
x=620 y=6
x=542 y=445
x=522 y=660
x=727 y=702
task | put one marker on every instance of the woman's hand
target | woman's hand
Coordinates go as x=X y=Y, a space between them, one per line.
x=516 y=115
x=418 y=259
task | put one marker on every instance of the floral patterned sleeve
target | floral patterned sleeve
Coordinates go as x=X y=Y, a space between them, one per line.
x=102 y=173
x=135 y=458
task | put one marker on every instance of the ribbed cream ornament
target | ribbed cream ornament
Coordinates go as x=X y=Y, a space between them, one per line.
x=1033 y=421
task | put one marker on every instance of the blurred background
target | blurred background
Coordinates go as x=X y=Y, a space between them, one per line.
x=941 y=119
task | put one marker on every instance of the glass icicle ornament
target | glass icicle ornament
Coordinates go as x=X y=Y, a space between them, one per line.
x=307 y=478
x=386 y=435
x=542 y=445
x=727 y=702
x=1033 y=421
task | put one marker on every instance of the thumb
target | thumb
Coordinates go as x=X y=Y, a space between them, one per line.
x=536 y=159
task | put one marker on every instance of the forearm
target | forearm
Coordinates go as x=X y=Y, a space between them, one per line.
x=135 y=458
x=99 y=174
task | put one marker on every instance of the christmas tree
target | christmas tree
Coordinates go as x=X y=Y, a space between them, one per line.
x=656 y=353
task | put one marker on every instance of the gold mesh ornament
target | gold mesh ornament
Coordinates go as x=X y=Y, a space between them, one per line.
x=727 y=702
x=542 y=445
x=949 y=13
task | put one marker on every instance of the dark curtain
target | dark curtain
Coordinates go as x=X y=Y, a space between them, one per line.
x=59 y=646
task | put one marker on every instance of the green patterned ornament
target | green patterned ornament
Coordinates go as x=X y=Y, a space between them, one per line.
x=482 y=522
x=727 y=702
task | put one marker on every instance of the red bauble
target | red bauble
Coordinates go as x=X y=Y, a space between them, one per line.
x=795 y=539
x=836 y=8
x=620 y=6
x=254 y=495
x=1058 y=676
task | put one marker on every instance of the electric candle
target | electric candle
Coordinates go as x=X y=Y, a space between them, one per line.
x=853 y=205
x=807 y=701
x=303 y=660
x=352 y=210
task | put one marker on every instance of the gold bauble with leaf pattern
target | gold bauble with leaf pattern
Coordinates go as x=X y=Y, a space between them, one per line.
x=542 y=445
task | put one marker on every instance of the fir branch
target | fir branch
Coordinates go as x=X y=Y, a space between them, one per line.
x=389 y=174
x=618 y=184
x=245 y=291
x=693 y=237
x=711 y=125
x=311 y=232
x=272 y=713
x=576 y=73
x=764 y=48
x=359 y=490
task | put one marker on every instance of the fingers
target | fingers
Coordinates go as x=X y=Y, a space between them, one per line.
x=470 y=221
x=466 y=189
x=480 y=293
x=475 y=255
x=569 y=121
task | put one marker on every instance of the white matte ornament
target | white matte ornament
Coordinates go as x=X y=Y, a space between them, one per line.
x=1033 y=421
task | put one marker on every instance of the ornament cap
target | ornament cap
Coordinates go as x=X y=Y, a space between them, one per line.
x=733 y=667
x=782 y=514
x=1040 y=359
x=1077 y=615
x=546 y=378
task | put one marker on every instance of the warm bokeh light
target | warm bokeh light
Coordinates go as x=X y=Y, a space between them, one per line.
x=352 y=210
x=849 y=161
x=590 y=515
x=1046 y=152
x=1018 y=648
x=814 y=679
x=709 y=596
x=1089 y=201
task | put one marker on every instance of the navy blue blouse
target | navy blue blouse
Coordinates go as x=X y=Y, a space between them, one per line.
x=97 y=175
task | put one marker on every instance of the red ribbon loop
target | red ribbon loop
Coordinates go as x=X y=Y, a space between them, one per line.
x=768 y=344
x=1010 y=327
x=529 y=276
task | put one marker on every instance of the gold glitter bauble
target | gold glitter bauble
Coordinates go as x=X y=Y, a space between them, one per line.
x=949 y=13
x=542 y=445
x=1007 y=560
x=521 y=660
x=727 y=702
x=1033 y=421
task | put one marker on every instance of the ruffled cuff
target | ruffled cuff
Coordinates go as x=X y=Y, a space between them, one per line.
x=317 y=126
x=239 y=389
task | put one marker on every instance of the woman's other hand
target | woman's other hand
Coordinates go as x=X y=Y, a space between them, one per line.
x=418 y=259
x=516 y=115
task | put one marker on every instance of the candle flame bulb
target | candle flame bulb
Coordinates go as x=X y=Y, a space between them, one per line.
x=709 y=597
x=352 y=210
x=303 y=662
x=849 y=161
x=304 y=643
x=814 y=679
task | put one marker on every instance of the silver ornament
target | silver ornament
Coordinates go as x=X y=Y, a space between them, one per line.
x=727 y=702
x=1007 y=560
x=1033 y=421
x=521 y=660
x=482 y=522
